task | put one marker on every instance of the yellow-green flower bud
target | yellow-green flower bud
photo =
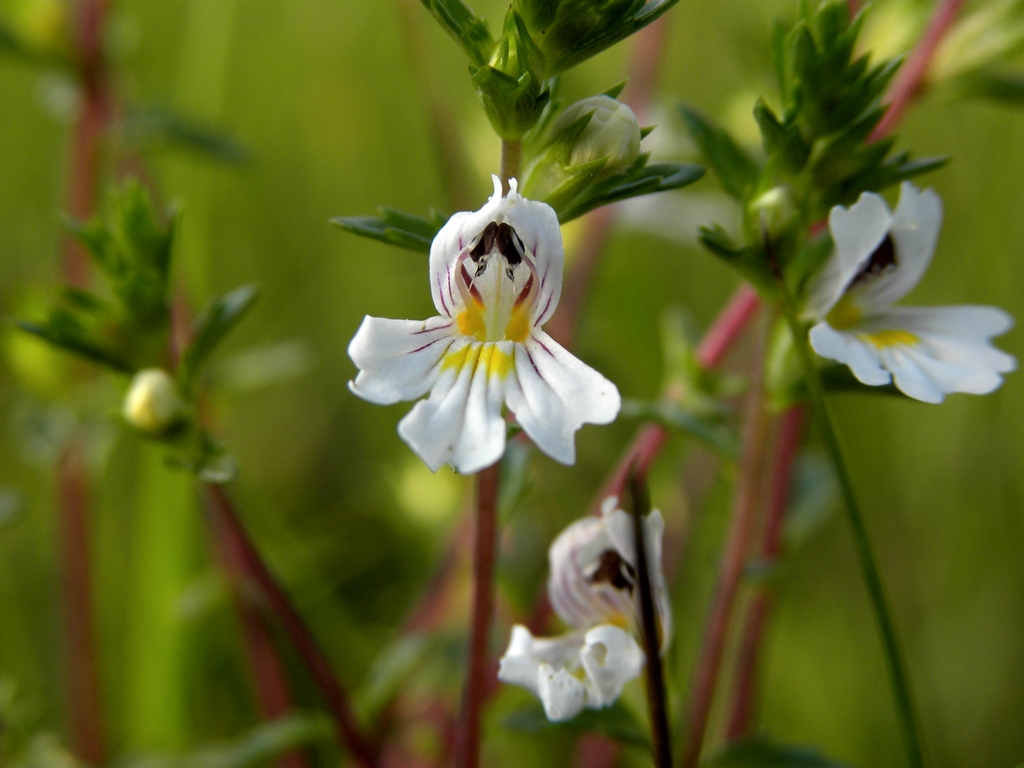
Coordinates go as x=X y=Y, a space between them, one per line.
x=773 y=212
x=154 y=404
x=591 y=140
x=612 y=133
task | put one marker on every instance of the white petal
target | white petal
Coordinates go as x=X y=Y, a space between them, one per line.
x=953 y=351
x=611 y=658
x=536 y=224
x=562 y=694
x=546 y=667
x=398 y=359
x=620 y=530
x=846 y=348
x=572 y=595
x=908 y=376
x=461 y=422
x=556 y=394
x=856 y=232
x=449 y=243
x=914 y=232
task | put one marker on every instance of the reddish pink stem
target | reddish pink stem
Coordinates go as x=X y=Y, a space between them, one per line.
x=80 y=635
x=787 y=447
x=228 y=528
x=911 y=78
x=477 y=677
x=745 y=504
x=728 y=326
x=268 y=674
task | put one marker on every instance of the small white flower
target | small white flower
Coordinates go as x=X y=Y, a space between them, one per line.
x=879 y=256
x=495 y=277
x=592 y=588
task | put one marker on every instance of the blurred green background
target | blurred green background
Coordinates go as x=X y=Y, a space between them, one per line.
x=331 y=99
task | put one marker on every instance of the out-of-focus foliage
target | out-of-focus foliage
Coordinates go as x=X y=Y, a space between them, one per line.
x=332 y=100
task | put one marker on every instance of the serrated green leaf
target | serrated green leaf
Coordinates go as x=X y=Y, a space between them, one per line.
x=395 y=227
x=737 y=171
x=158 y=126
x=638 y=179
x=67 y=338
x=220 y=316
x=615 y=722
x=465 y=27
x=757 y=753
x=748 y=261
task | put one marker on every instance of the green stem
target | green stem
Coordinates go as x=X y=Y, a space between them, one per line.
x=511 y=158
x=898 y=677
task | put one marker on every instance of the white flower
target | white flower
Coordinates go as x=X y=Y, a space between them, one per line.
x=592 y=588
x=495 y=277
x=879 y=257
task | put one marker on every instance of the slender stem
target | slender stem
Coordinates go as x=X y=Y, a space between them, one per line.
x=511 y=159
x=898 y=677
x=468 y=754
x=911 y=77
x=787 y=446
x=228 y=527
x=268 y=674
x=87 y=733
x=727 y=327
x=657 y=699
x=748 y=493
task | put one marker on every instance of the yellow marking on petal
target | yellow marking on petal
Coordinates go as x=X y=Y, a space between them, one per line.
x=890 y=338
x=495 y=361
x=471 y=323
x=456 y=359
x=518 y=328
x=844 y=315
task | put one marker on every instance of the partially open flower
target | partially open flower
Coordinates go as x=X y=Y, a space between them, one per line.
x=495 y=276
x=879 y=257
x=592 y=587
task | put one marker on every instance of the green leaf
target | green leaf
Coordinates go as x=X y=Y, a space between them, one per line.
x=465 y=27
x=758 y=753
x=615 y=722
x=61 y=331
x=814 y=499
x=395 y=227
x=737 y=170
x=1002 y=88
x=749 y=261
x=710 y=430
x=256 y=748
x=638 y=179
x=219 y=317
x=158 y=126
x=390 y=671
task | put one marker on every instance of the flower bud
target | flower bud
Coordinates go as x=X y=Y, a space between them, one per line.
x=511 y=85
x=154 y=404
x=773 y=212
x=591 y=140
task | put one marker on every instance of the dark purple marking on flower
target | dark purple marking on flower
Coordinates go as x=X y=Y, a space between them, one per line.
x=882 y=260
x=612 y=569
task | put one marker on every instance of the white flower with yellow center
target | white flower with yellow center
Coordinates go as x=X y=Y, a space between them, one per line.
x=592 y=587
x=879 y=256
x=495 y=276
